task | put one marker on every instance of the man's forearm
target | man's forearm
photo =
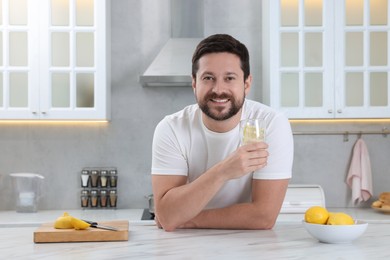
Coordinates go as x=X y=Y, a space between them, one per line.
x=238 y=216
x=180 y=204
x=261 y=213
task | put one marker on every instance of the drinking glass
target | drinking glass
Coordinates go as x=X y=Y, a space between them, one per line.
x=252 y=130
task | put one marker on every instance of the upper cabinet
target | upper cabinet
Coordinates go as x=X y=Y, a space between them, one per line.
x=327 y=58
x=54 y=61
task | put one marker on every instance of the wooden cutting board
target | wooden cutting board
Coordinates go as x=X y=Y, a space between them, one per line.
x=48 y=234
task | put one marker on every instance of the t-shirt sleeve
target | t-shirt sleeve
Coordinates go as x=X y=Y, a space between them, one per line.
x=280 y=148
x=167 y=155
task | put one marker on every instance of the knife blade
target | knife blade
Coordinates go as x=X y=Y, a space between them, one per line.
x=96 y=225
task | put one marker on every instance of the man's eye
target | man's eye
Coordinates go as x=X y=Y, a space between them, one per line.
x=230 y=78
x=207 y=78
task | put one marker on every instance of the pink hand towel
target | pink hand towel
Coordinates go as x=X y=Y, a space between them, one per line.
x=359 y=177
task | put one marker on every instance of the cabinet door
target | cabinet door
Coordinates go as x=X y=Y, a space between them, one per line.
x=362 y=61
x=328 y=58
x=54 y=64
x=301 y=73
x=75 y=74
x=18 y=64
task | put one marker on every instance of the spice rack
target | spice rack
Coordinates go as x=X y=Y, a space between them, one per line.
x=99 y=187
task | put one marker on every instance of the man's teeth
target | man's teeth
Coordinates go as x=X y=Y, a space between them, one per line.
x=220 y=100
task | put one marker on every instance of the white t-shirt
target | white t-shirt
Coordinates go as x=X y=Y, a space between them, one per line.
x=182 y=145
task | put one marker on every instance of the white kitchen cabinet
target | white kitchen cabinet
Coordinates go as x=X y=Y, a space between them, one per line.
x=54 y=61
x=327 y=58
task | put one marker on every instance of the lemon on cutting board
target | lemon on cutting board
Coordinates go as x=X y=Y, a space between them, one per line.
x=79 y=224
x=67 y=221
x=63 y=222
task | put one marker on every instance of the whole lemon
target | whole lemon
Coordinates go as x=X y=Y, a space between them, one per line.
x=340 y=218
x=316 y=215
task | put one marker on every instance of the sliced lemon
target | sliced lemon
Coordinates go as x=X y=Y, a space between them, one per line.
x=79 y=224
x=63 y=222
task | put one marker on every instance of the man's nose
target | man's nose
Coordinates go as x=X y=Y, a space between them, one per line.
x=218 y=86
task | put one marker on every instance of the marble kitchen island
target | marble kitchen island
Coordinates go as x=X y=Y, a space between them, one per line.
x=287 y=240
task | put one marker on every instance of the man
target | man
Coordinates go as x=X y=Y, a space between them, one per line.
x=201 y=176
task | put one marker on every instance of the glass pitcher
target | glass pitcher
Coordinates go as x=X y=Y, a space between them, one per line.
x=27 y=190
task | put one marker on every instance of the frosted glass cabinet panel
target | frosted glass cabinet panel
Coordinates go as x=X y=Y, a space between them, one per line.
x=84 y=12
x=18 y=12
x=354 y=12
x=313 y=12
x=60 y=12
x=289 y=94
x=54 y=61
x=354 y=43
x=378 y=48
x=18 y=89
x=327 y=58
x=85 y=49
x=378 y=12
x=85 y=90
x=289 y=14
x=378 y=89
x=60 y=49
x=18 y=49
x=60 y=89
x=313 y=49
x=289 y=49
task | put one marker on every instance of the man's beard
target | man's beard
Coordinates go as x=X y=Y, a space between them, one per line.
x=236 y=106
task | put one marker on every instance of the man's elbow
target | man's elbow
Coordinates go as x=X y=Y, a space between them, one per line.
x=166 y=223
x=168 y=227
x=264 y=223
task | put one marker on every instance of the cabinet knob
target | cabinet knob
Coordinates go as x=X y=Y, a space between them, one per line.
x=339 y=111
x=330 y=111
x=43 y=112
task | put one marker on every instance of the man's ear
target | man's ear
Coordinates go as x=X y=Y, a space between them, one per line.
x=248 y=84
x=193 y=84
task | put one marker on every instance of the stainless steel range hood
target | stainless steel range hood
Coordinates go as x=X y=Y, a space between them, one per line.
x=172 y=66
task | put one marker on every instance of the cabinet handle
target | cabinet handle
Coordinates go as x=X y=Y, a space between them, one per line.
x=339 y=111
x=330 y=111
x=43 y=112
x=34 y=112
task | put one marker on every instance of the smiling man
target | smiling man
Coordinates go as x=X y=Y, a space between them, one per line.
x=202 y=177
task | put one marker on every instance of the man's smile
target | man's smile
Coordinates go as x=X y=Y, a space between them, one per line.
x=220 y=101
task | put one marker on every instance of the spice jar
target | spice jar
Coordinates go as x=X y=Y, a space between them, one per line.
x=84 y=198
x=94 y=178
x=84 y=178
x=113 y=178
x=103 y=178
x=103 y=198
x=94 y=198
x=113 y=198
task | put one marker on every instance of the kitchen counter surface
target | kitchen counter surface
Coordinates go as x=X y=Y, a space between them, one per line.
x=288 y=239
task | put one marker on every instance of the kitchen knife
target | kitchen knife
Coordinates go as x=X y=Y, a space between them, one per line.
x=96 y=225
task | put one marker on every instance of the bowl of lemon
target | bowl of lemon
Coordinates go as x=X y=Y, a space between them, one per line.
x=332 y=227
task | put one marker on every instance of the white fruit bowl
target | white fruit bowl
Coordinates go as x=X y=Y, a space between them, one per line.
x=335 y=234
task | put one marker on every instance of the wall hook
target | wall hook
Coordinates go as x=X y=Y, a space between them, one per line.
x=385 y=131
x=346 y=136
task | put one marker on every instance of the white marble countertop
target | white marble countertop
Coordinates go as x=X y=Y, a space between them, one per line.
x=287 y=240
